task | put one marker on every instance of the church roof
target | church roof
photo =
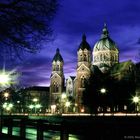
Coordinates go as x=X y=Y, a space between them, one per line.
x=105 y=42
x=96 y=70
x=120 y=67
x=84 y=44
x=72 y=77
x=57 y=56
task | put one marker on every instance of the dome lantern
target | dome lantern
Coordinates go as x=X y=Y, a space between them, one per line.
x=105 y=32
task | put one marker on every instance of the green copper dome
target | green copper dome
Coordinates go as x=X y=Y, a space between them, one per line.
x=58 y=56
x=105 y=43
x=84 y=45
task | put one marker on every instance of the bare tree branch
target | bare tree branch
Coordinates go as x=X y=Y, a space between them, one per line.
x=24 y=24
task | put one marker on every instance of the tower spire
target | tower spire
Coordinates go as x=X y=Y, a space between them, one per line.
x=84 y=37
x=105 y=26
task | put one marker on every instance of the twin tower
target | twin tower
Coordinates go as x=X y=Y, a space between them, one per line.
x=105 y=54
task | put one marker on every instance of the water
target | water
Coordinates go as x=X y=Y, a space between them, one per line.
x=31 y=134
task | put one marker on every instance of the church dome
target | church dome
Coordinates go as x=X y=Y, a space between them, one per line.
x=84 y=45
x=105 y=43
x=58 y=56
x=105 y=52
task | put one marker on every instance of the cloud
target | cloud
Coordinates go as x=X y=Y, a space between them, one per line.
x=72 y=20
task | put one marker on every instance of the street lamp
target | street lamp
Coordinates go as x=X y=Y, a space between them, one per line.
x=63 y=96
x=103 y=90
x=136 y=101
x=8 y=77
x=103 y=100
x=7 y=106
x=67 y=104
x=6 y=95
x=37 y=106
x=4 y=78
x=35 y=100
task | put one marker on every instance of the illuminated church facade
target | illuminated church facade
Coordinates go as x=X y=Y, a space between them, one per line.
x=104 y=58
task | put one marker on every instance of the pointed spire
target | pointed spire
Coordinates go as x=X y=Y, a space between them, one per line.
x=84 y=44
x=58 y=56
x=84 y=37
x=57 y=50
x=105 y=26
x=105 y=32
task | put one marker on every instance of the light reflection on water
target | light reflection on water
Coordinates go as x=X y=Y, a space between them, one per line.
x=31 y=134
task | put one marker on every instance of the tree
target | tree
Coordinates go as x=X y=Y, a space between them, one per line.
x=91 y=94
x=24 y=24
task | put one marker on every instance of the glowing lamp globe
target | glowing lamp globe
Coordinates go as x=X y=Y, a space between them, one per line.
x=4 y=78
x=135 y=99
x=103 y=90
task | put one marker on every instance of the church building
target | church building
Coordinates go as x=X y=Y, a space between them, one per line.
x=104 y=59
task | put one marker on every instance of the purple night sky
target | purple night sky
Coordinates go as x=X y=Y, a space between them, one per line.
x=76 y=17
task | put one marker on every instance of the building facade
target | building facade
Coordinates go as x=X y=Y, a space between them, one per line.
x=57 y=81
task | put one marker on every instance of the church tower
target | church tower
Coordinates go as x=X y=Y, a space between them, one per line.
x=57 y=80
x=83 y=71
x=105 y=52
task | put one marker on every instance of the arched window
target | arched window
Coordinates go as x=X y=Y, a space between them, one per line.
x=101 y=57
x=83 y=80
x=57 y=67
x=81 y=57
x=55 y=87
x=85 y=57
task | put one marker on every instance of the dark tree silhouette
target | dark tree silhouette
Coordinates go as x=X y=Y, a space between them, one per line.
x=91 y=93
x=118 y=94
x=24 y=24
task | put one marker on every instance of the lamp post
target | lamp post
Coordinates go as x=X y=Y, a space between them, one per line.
x=103 y=92
x=6 y=95
x=35 y=100
x=36 y=106
x=136 y=101
x=63 y=102
x=7 y=106
x=67 y=106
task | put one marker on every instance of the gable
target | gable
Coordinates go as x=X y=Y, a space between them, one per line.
x=56 y=75
x=83 y=67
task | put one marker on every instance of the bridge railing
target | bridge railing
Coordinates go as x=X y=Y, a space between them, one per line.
x=40 y=125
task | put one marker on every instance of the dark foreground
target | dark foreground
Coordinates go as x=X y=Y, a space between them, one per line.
x=88 y=127
x=6 y=137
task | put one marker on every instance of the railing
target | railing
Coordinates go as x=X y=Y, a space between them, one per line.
x=97 y=127
x=40 y=125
